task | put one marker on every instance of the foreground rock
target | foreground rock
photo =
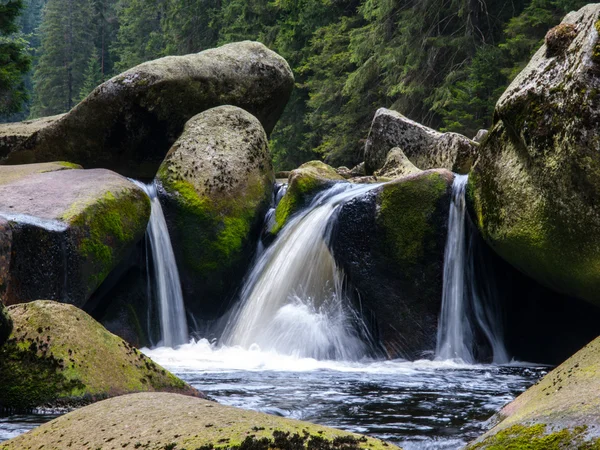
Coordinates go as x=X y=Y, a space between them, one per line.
x=424 y=147
x=390 y=242
x=216 y=185
x=303 y=184
x=561 y=411
x=59 y=356
x=128 y=123
x=67 y=230
x=171 y=421
x=535 y=191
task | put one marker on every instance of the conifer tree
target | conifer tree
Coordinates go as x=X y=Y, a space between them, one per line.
x=92 y=76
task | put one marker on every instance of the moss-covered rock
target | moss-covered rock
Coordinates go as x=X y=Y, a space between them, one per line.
x=174 y=422
x=69 y=229
x=303 y=184
x=215 y=187
x=397 y=165
x=390 y=242
x=58 y=355
x=128 y=123
x=561 y=411
x=5 y=324
x=535 y=191
x=424 y=147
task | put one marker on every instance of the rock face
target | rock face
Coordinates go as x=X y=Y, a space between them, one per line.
x=5 y=325
x=397 y=165
x=424 y=147
x=59 y=355
x=215 y=187
x=535 y=192
x=128 y=123
x=303 y=183
x=12 y=135
x=171 y=421
x=390 y=242
x=561 y=411
x=68 y=230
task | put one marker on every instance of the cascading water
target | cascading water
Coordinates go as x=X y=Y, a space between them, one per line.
x=467 y=308
x=293 y=301
x=167 y=287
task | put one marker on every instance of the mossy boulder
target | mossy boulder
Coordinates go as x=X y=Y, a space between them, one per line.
x=390 y=243
x=424 y=147
x=397 y=165
x=176 y=422
x=535 y=191
x=215 y=186
x=560 y=411
x=69 y=229
x=128 y=123
x=303 y=184
x=6 y=324
x=58 y=355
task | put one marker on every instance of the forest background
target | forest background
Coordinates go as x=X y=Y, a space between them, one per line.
x=443 y=63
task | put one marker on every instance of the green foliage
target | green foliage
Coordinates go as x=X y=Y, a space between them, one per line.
x=92 y=76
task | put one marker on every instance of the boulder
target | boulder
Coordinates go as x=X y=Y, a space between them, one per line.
x=424 y=147
x=535 y=191
x=5 y=324
x=303 y=184
x=397 y=165
x=12 y=135
x=560 y=411
x=480 y=136
x=68 y=230
x=128 y=123
x=215 y=187
x=390 y=243
x=358 y=170
x=58 y=355
x=172 y=421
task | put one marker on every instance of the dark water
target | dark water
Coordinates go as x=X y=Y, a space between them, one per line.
x=418 y=405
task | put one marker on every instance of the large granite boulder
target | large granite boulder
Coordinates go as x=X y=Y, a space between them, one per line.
x=128 y=123
x=68 y=229
x=390 y=242
x=215 y=187
x=58 y=355
x=561 y=411
x=424 y=147
x=535 y=191
x=171 y=421
x=14 y=134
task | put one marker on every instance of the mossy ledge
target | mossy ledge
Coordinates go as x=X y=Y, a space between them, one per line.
x=538 y=437
x=57 y=355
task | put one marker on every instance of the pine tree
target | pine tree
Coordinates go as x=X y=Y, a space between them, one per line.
x=92 y=76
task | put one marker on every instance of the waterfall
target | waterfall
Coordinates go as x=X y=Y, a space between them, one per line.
x=469 y=306
x=167 y=287
x=293 y=301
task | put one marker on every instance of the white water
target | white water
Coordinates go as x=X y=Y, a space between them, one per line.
x=167 y=287
x=293 y=301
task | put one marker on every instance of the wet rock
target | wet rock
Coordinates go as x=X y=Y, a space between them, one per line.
x=561 y=411
x=535 y=191
x=390 y=242
x=215 y=187
x=424 y=147
x=303 y=184
x=58 y=355
x=397 y=165
x=68 y=229
x=128 y=123
x=171 y=421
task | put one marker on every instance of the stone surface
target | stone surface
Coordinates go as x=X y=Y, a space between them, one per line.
x=535 y=191
x=128 y=123
x=424 y=147
x=69 y=229
x=563 y=408
x=170 y=421
x=13 y=135
x=59 y=356
x=303 y=184
x=397 y=165
x=390 y=243
x=215 y=187
x=480 y=136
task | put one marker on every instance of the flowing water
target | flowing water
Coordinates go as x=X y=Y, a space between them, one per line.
x=167 y=288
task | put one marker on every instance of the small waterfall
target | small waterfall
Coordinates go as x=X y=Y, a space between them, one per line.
x=167 y=287
x=293 y=301
x=469 y=306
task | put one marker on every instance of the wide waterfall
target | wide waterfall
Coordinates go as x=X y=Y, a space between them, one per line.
x=468 y=303
x=167 y=287
x=293 y=301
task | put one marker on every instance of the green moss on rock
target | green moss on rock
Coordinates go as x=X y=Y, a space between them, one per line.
x=536 y=437
x=5 y=324
x=58 y=355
